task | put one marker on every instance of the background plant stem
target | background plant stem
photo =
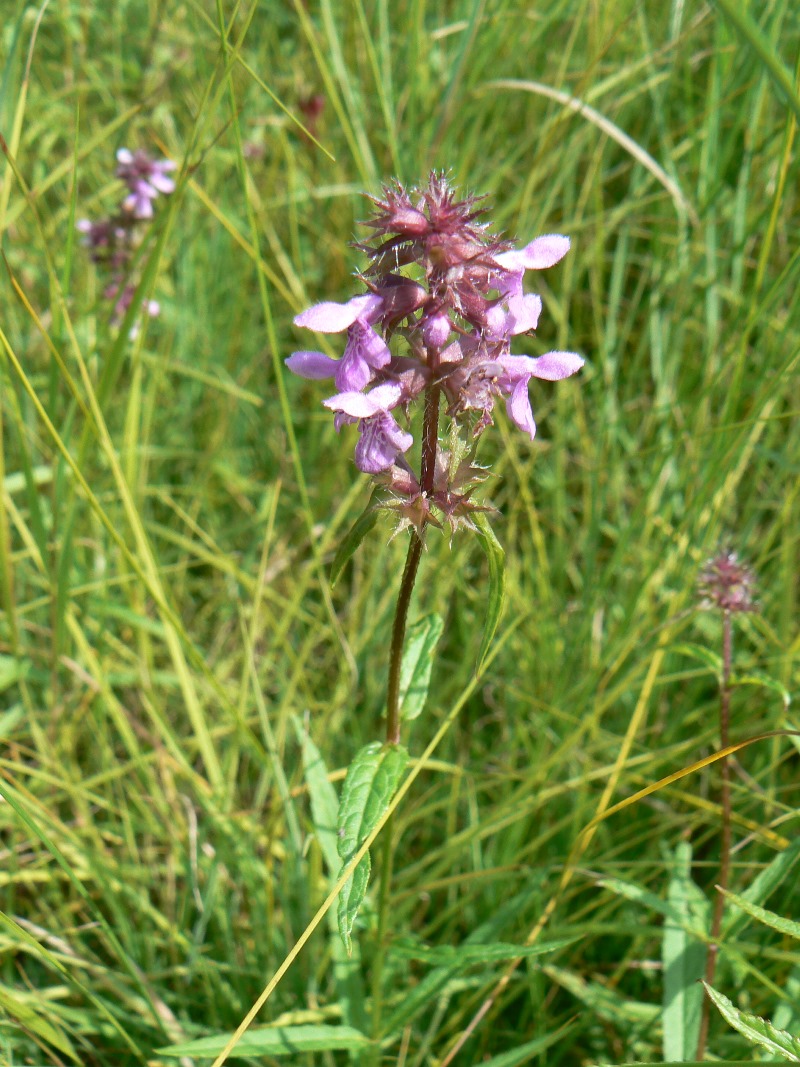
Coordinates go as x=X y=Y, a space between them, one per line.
x=725 y=847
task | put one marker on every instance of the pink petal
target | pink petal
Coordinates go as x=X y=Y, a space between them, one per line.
x=311 y=365
x=544 y=251
x=124 y=155
x=524 y=312
x=162 y=182
x=518 y=406
x=357 y=405
x=386 y=396
x=553 y=366
x=330 y=317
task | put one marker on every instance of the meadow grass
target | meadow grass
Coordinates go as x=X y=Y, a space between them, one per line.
x=171 y=647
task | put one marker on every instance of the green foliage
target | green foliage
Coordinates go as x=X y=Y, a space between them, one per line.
x=358 y=531
x=760 y=1031
x=683 y=957
x=495 y=598
x=371 y=782
x=171 y=507
x=275 y=1041
x=422 y=638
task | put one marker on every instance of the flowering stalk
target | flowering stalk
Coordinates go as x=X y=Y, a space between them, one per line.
x=440 y=285
x=112 y=241
x=727 y=585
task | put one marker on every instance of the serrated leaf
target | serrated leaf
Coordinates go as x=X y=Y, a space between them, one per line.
x=415 y=670
x=762 y=887
x=704 y=655
x=369 y=786
x=356 y=534
x=758 y=678
x=274 y=1041
x=496 y=558
x=754 y=1028
x=684 y=960
x=769 y=918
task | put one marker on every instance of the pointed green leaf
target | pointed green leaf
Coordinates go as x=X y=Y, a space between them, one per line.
x=754 y=1028
x=684 y=960
x=762 y=887
x=465 y=955
x=415 y=670
x=769 y=918
x=30 y=1017
x=274 y=1041
x=496 y=558
x=523 y=1053
x=371 y=781
x=766 y=682
x=703 y=655
x=358 y=531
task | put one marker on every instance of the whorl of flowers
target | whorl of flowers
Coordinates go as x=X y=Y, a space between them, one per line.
x=112 y=241
x=449 y=295
x=727 y=584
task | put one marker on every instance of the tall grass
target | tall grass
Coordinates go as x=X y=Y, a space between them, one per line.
x=170 y=507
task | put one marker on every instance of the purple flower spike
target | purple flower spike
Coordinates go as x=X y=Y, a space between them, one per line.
x=381 y=440
x=449 y=297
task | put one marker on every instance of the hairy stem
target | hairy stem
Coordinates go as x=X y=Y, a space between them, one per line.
x=430 y=440
x=725 y=847
x=430 y=443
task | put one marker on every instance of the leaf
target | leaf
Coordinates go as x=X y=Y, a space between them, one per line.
x=275 y=1041
x=704 y=655
x=358 y=531
x=371 y=781
x=415 y=669
x=324 y=812
x=769 y=918
x=754 y=1028
x=763 y=886
x=753 y=37
x=684 y=959
x=519 y=1055
x=466 y=955
x=30 y=1018
x=324 y=802
x=605 y=1001
x=12 y=670
x=497 y=582
x=766 y=682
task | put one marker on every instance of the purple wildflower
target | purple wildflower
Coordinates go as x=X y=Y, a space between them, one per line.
x=365 y=351
x=381 y=440
x=728 y=584
x=145 y=179
x=457 y=311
